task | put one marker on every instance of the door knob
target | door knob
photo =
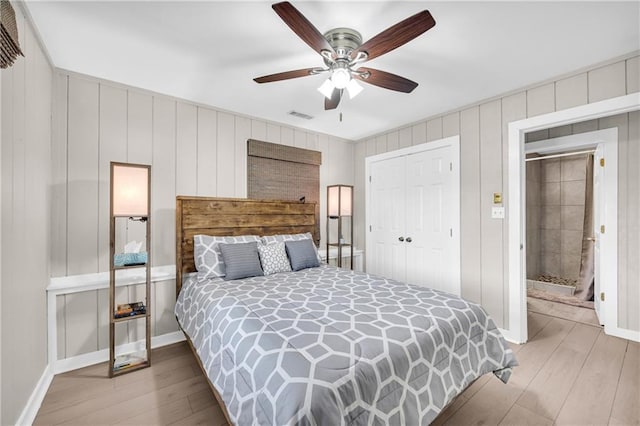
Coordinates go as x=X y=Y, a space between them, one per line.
x=401 y=239
x=409 y=239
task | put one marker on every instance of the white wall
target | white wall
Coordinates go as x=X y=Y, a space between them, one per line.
x=26 y=137
x=193 y=149
x=483 y=154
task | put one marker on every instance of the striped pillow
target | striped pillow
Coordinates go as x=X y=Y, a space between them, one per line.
x=241 y=260
x=302 y=254
x=207 y=256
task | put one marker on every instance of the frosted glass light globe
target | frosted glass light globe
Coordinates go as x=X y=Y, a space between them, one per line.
x=340 y=78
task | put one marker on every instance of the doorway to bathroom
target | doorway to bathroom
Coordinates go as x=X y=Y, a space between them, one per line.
x=569 y=206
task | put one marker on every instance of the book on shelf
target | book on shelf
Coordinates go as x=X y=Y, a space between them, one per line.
x=130 y=309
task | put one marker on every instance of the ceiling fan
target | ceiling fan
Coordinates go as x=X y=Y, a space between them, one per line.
x=343 y=53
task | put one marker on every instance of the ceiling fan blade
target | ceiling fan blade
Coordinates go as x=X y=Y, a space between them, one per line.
x=285 y=75
x=302 y=27
x=397 y=35
x=386 y=80
x=334 y=101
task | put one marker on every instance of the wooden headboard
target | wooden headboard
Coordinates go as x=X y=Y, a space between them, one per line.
x=235 y=216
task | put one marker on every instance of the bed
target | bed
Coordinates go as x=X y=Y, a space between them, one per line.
x=323 y=345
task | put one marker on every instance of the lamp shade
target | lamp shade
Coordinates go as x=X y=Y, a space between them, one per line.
x=339 y=200
x=327 y=88
x=130 y=190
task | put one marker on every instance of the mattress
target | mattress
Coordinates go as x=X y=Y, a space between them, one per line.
x=329 y=346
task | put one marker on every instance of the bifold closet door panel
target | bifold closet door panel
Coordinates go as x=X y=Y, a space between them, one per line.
x=387 y=208
x=428 y=222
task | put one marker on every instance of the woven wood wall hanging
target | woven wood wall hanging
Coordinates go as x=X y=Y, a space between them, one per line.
x=280 y=172
x=9 y=45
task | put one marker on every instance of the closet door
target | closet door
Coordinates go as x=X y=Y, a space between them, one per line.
x=429 y=205
x=417 y=218
x=387 y=197
x=413 y=205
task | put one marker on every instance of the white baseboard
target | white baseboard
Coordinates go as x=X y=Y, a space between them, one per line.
x=508 y=336
x=30 y=411
x=91 y=358
x=623 y=333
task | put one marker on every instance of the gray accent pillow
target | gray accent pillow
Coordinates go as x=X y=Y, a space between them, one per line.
x=241 y=260
x=207 y=256
x=268 y=239
x=273 y=258
x=302 y=254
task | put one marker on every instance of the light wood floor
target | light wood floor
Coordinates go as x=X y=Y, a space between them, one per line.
x=171 y=391
x=570 y=373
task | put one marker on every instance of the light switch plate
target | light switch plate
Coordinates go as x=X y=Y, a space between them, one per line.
x=497 y=212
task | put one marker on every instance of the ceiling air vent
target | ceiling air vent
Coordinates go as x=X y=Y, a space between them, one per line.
x=300 y=115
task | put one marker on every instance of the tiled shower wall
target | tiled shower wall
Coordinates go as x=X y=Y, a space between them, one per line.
x=562 y=201
x=533 y=217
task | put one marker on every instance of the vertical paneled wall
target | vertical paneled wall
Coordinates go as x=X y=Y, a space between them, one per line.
x=483 y=157
x=26 y=136
x=193 y=150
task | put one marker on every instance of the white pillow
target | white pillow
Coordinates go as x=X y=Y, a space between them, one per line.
x=273 y=258
x=208 y=257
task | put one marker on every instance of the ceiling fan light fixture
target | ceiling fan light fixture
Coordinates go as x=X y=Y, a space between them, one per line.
x=353 y=88
x=327 y=88
x=343 y=54
x=340 y=77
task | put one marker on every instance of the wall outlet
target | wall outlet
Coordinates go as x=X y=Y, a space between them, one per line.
x=497 y=212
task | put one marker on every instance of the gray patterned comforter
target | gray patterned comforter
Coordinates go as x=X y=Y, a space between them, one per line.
x=329 y=346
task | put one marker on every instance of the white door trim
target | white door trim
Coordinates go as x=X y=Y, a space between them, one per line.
x=517 y=331
x=608 y=138
x=454 y=143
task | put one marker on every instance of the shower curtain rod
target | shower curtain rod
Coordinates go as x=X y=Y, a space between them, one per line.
x=566 y=154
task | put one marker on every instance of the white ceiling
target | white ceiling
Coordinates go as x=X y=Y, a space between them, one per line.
x=209 y=52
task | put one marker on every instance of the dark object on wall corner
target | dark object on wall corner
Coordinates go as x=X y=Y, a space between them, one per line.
x=9 y=46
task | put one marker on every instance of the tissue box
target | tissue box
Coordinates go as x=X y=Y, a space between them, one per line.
x=127 y=259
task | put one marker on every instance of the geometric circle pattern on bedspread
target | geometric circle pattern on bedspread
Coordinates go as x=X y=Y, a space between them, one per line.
x=329 y=346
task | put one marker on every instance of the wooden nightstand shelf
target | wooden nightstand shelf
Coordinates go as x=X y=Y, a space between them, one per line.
x=131 y=205
x=130 y=317
x=332 y=259
x=117 y=268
